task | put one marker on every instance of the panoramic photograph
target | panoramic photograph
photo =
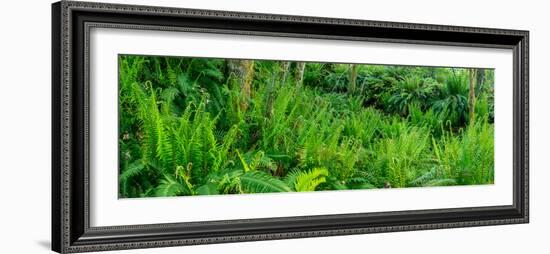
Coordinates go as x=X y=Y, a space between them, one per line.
x=212 y=126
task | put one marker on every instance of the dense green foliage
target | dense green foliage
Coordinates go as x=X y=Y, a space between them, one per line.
x=192 y=126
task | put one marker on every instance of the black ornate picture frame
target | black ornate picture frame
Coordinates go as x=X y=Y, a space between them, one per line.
x=71 y=230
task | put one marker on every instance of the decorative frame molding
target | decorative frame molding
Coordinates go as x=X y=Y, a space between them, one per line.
x=71 y=22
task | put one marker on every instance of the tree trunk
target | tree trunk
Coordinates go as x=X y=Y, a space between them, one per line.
x=480 y=77
x=472 y=94
x=299 y=78
x=480 y=81
x=270 y=90
x=285 y=67
x=353 y=78
x=242 y=72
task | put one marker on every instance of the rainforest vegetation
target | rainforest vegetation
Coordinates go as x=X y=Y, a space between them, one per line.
x=196 y=126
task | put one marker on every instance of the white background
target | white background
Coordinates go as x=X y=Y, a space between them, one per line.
x=25 y=126
x=108 y=210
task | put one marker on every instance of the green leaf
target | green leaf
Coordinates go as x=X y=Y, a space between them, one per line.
x=245 y=165
x=261 y=182
x=441 y=182
x=168 y=94
x=171 y=187
x=307 y=180
x=133 y=169
x=207 y=189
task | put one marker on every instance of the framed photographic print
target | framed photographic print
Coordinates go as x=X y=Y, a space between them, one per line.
x=181 y=126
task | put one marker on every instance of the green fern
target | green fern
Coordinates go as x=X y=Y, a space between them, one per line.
x=441 y=182
x=261 y=182
x=171 y=187
x=207 y=189
x=183 y=130
x=132 y=170
x=306 y=180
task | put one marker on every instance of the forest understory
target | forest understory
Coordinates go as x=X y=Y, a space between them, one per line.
x=197 y=126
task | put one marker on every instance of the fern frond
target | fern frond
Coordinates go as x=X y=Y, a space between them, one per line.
x=132 y=170
x=164 y=146
x=360 y=182
x=246 y=167
x=207 y=189
x=171 y=187
x=230 y=182
x=309 y=180
x=426 y=177
x=441 y=182
x=222 y=151
x=168 y=94
x=261 y=182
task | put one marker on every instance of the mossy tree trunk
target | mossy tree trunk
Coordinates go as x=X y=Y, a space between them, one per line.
x=480 y=77
x=284 y=68
x=281 y=74
x=299 y=77
x=353 y=77
x=242 y=73
x=472 y=94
